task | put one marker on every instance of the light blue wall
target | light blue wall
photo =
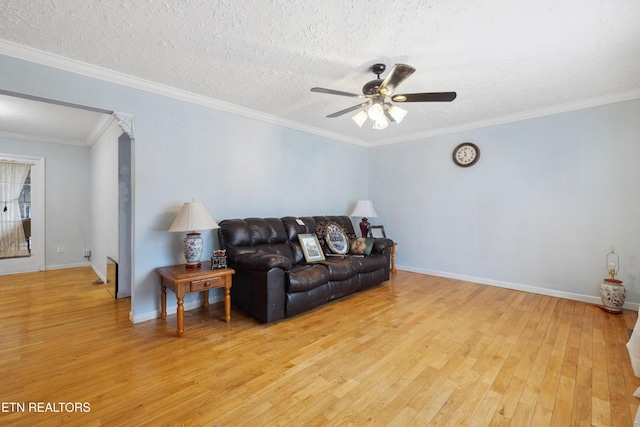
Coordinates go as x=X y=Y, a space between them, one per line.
x=539 y=211
x=67 y=211
x=235 y=166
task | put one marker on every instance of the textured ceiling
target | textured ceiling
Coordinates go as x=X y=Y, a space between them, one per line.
x=505 y=59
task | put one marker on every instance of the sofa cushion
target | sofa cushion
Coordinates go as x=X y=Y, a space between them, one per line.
x=262 y=262
x=305 y=277
x=254 y=235
x=368 y=263
x=340 y=288
x=300 y=302
x=340 y=268
x=294 y=226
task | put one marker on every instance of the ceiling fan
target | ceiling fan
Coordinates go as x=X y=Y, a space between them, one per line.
x=379 y=91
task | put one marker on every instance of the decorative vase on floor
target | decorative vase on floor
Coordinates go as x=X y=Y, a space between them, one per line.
x=613 y=294
x=612 y=290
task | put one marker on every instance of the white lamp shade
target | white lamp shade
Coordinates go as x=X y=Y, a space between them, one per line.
x=376 y=111
x=193 y=216
x=364 y=208
x=360 y=118
x=381 y=123
x=397 y=113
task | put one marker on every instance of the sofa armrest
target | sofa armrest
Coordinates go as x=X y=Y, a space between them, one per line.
x=381 y=244
x=262 y=261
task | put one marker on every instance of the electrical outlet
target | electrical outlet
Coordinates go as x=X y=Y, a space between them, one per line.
x=87 y=253
x=60 y=249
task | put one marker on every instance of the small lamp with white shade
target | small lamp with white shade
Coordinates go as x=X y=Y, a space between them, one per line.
x=364 y=209
x=193 y=216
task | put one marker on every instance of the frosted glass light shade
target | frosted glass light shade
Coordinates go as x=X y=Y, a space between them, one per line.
x=193 y=216
x=376 y=112
x=364 y=208
x=381 y=123
x=397 y=113
x=360 y=118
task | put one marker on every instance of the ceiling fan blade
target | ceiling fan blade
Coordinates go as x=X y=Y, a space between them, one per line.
x=348 y=110
x=389 y=116
x=335 y=92
x=425 y=97
x=398 y=74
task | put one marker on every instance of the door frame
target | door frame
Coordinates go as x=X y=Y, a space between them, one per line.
x=36 y=261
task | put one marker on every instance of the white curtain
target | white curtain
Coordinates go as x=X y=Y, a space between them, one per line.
x=12 y=239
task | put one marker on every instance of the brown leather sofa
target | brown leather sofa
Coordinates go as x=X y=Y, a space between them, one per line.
x=273 y=280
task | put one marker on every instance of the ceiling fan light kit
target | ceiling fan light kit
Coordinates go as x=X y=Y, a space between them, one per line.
x=360 y=118
x=397 y=113
x=378 y=91
x=381 y=123
x=376 y=111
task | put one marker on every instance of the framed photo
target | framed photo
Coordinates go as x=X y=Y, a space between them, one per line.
x=311 y=247
x=219 y=259
x=377 y=231
x=336 y=239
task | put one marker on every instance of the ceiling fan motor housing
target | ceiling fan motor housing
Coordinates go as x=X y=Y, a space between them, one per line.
x=371 y=88
x=378 y=69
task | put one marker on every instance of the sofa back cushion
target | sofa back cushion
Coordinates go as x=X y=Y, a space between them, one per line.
x=310 y=226
x=254 y=235
x=274 y=235
x=293 y=228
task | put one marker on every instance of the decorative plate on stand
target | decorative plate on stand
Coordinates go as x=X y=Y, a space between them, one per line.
x=336 y=239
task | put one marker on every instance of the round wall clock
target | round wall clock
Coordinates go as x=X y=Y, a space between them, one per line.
x=466 y=154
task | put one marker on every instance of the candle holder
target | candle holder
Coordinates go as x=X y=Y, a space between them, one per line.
x=612 y=290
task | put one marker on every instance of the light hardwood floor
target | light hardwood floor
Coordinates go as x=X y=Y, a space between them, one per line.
x=418 y=350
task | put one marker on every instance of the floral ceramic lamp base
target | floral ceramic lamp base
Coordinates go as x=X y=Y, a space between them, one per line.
x=192 y=245
x=613 y=294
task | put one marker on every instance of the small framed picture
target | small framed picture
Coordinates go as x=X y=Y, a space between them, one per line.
x=219 y=259
x=377 y=231
x=311 y=247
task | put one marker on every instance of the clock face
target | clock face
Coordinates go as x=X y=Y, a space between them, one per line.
x=466 y=154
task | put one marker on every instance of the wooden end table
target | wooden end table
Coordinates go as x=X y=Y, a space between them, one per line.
x=182 y=280
x=393 y=257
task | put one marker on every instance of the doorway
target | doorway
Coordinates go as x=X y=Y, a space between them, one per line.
x=122 y=145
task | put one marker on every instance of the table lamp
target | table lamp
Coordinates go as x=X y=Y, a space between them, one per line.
x=364 y=208
x=191 y=217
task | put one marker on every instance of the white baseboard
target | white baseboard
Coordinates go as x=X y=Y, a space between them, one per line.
x=121 y=294
x=215 y=298
x=518 y=287
x=100 y=275
x=63 y=266
x=155 y=314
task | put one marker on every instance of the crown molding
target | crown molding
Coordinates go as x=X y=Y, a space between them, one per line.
x=516 y=117
x=93 y=71
x=66 y=64
x=40 y=138
x=99 y=129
